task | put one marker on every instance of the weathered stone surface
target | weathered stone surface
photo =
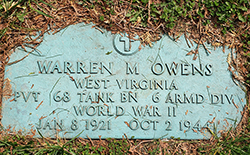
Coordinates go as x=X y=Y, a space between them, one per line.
x=82 y=80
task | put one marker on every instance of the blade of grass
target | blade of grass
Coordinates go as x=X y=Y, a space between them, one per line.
x=38 y=11
x=39 y=133
x=14 y=26
x=73 y=138
x=47 y=4
x=3 y=32
x=39 y=5
x=5 y=143
x=9 y=9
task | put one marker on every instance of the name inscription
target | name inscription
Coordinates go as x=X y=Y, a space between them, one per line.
x=74 y=86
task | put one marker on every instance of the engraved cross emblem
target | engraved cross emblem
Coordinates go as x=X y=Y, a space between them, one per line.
x=127 y=43
x=126 y=46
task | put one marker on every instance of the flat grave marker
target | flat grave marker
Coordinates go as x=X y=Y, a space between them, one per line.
x=100 y=84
